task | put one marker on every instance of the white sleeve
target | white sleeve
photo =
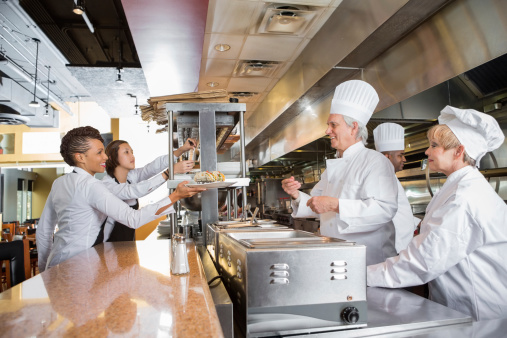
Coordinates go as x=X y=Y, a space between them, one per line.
x=156 y=166
x=299 y=208
x=126 y=191
x=44 y=233
x=100 y=198
x=378 y=207
x=452 y=234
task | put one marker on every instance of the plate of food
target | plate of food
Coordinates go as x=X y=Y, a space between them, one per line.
x=209 y=180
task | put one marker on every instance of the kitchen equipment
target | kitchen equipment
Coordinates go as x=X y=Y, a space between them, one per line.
x=237 y=226
x=194 y=203
x=315 y=283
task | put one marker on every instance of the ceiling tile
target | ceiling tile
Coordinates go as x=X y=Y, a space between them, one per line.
x=270 y=48
x=222 y=83
x=219 y=68
x=231 y=16
x=248 y=84
x=235 y=41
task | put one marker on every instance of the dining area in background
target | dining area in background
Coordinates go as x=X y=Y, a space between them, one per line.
x=18 y=253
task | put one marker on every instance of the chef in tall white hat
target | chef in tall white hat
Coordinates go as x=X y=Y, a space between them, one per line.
x=356 y=198
x=390 y=141
x=463 y=240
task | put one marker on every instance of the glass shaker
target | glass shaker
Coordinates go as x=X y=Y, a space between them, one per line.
x=179 y=262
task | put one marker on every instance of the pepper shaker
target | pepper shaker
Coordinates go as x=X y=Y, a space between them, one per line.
x=179 y=263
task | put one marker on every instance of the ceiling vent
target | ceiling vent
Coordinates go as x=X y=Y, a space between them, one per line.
x=11 y=117
x=286 y=19
x=242 y=94
x=256 y=68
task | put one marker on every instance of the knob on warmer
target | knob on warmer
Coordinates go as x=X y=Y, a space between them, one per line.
x=350 y=315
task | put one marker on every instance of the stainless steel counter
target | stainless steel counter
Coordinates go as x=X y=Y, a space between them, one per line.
x=391 y=313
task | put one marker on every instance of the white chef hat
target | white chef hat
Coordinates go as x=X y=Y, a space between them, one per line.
x=356 y=99
x=389 y=137
x=477 y=132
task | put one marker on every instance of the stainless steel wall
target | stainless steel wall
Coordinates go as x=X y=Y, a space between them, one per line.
x=463 y=35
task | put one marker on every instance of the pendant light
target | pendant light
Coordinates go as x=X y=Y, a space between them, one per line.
x=34 y=103
x=46 y=114
x=79 y=7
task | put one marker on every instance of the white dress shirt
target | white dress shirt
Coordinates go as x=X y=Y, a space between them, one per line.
x=79 y=204
x=460 y=250
x=140 y=185
x=364 y=182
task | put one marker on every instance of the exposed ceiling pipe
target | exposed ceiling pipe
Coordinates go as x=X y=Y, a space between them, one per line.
x=29 y=79
x=15 y=7
x=85 y=18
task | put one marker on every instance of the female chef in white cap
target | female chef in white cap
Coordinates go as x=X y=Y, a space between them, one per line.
x=356 y=198
x=460 y=250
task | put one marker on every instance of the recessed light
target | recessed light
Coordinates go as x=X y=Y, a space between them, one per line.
x=222 y=47
x=212 y=84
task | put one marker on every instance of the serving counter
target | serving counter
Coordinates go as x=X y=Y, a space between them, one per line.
x=126 y=289
x=123 y=288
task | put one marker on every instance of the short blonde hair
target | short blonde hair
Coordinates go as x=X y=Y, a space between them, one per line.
x=444 y=135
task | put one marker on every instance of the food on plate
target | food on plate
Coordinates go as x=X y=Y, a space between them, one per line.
x=209 y=177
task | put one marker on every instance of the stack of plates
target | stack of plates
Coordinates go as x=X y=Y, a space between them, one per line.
x=164 y=228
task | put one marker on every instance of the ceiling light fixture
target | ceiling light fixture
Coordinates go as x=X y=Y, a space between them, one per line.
x=212 y=84
x=222 y=47
x=34 y=103
x=46 y=114
x=79 y=7
x=136 y=113
x=118 y=79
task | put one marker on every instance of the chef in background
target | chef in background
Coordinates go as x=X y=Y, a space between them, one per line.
x=461 y=248
x=390 y=141
x=356 y=198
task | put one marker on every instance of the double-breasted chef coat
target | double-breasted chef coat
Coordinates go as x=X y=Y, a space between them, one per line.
x=364 y=182
x=460 y=250
x=404 y=221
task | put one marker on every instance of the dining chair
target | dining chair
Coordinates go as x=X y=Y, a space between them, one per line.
x=16 y=255
x=10 y=226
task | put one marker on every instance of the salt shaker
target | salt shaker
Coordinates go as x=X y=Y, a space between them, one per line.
x=179 y=263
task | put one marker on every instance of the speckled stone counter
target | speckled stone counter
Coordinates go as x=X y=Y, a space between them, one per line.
x=123 y=288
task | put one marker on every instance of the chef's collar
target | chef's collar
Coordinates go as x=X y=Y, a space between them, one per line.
x=353 y=149
x=458 y=174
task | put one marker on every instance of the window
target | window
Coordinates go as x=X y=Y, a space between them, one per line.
x=24 y=200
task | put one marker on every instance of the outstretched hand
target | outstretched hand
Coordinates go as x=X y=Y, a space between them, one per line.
x=183 y=167
x=291 y=187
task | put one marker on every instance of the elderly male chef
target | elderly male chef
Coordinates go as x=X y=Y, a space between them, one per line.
x=356 y=198
x=390 y=141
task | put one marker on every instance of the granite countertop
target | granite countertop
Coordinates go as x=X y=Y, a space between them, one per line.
x=122 y=288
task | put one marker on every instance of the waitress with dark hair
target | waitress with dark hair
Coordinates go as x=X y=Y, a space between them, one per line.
x=80 y=204
x=129 y=183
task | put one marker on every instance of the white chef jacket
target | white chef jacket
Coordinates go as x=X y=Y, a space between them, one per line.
x=460 y=250
x=79 y=204
x=404 y=221
x=140 y=185
x=364 y=182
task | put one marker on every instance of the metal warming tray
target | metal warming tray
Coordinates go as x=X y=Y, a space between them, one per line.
x=284 y=239
x=316 y=283
x=214 y=229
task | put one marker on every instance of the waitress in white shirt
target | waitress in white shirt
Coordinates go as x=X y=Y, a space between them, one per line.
x=129 y=183
x=80 y=204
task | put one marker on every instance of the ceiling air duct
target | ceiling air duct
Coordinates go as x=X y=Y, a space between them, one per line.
x=286 y=19
x=256 y=68
x=11 y=117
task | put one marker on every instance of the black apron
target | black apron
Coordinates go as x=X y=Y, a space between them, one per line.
x=121 y=232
